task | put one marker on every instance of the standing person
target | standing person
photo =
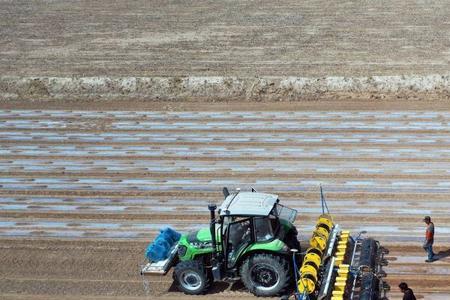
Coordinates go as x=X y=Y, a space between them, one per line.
x=429 y=239
x=408 y=293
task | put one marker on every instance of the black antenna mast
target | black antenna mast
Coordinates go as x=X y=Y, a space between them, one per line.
x=323 y=201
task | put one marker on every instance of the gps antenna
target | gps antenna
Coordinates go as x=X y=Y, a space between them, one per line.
x=323 y=201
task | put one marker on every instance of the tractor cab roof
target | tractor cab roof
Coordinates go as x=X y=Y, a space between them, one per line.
x=248 y=204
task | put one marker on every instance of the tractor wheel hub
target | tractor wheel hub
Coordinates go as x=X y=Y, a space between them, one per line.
x=264 y=276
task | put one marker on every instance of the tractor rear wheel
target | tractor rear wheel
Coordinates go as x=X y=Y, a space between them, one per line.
x=191 y=277
x=265 y=274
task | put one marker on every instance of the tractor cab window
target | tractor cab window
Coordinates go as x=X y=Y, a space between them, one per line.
x=265 y=228
x=239 y=237
x=285 y=213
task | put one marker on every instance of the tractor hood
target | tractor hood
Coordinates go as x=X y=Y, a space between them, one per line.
x=196 y=243
x=199 y=236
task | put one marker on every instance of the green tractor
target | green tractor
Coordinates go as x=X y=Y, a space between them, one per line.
x=252 y=238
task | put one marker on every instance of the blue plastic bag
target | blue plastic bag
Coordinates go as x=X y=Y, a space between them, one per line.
x=160 y=248
x=170 y=235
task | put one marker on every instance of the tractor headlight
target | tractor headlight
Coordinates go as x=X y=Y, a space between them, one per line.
x=182 y=251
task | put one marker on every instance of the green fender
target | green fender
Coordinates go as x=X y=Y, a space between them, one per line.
x=272 y=246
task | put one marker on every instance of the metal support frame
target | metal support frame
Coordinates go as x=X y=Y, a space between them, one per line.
x=332 y=241
x=160 y=267
x=356 y=271
x=326 y=283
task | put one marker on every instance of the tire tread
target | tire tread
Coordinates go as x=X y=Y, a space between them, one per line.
x=282 y=265
x=193 y=265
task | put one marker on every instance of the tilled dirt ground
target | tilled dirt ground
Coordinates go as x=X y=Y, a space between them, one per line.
x=225 y=38
x=83 y=188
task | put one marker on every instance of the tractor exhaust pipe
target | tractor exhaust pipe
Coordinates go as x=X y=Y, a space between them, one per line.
x=212 y=227
x=216 y=265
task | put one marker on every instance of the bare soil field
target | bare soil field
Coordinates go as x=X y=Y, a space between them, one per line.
x=223 y=38
x=222 y=51
x=85 y=186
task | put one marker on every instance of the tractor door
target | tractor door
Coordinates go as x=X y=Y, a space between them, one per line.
x=239 y=235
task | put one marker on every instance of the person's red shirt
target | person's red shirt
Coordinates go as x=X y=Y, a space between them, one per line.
x=429 y=234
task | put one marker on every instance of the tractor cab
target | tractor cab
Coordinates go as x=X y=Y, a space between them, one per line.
x=248 y=219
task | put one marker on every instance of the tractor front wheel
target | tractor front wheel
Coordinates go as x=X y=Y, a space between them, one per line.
x=265 y=275
x=191 y=277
